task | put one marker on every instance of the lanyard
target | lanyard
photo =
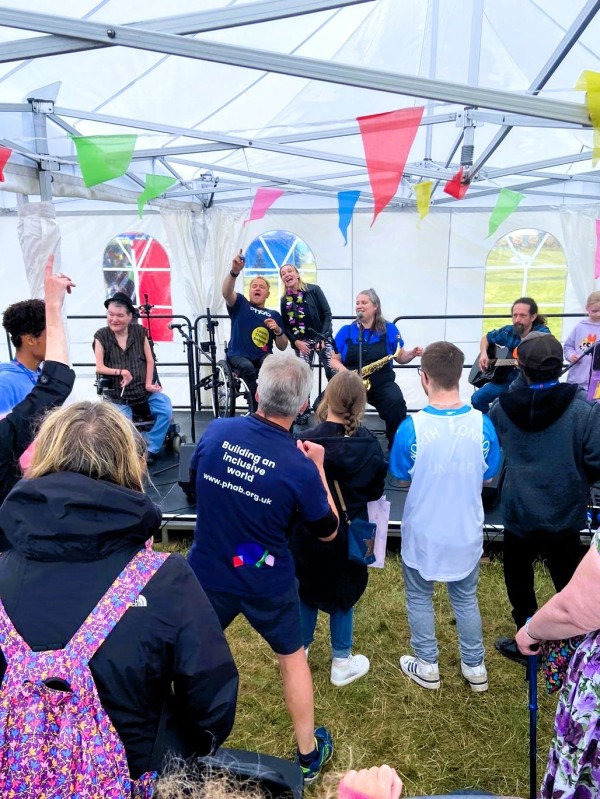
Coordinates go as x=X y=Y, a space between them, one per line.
x=33 y=376
x=544 y=385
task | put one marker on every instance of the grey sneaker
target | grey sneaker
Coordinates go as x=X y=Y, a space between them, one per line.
x=476 y=676
x=346 y=670
x=427 y=675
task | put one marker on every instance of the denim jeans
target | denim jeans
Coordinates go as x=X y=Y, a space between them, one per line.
x=340 y=629
x=421 y=618
x=162 y=411
x=484 y=396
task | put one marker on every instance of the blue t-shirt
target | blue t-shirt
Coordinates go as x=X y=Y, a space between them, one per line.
x=251 y=482
x=349 y=333
x=16 y=381
x=249 y=336
x=402 y=456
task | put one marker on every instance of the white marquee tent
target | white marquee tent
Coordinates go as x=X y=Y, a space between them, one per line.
x=229 y=96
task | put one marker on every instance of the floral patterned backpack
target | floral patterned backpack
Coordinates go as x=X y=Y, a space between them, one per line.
x=56 y=740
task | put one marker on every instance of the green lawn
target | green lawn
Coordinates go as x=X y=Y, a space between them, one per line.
x=437 y=740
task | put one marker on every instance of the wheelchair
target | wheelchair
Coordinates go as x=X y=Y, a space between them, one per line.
x=224 y=383
x=142 y=418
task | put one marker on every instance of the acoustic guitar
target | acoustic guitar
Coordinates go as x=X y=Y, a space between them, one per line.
x=499 y=365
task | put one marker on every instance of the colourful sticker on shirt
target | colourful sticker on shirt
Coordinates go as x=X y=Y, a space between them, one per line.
x=260 y=337
x=251 y=554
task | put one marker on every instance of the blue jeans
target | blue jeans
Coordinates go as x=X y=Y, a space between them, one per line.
x=162 y=411
x=340 y=629
x=421 y=618
x=484 y=396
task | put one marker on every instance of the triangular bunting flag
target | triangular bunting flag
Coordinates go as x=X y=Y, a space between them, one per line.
x=387 y=139
x=103 y=158
x=155 y=186
x=455 y=187
x=422 y=192
x=346 y=202
x=263 y=200
x=589 y=82
x=5 y=154
x=506 y=203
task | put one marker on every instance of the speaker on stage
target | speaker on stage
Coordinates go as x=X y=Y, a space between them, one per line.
x=185 y=456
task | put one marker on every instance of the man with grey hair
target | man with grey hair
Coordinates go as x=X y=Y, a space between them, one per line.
x=252 y=481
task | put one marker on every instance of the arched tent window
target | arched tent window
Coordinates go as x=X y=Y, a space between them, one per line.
x=525 y=263
x=138 y=265
x=267 y=253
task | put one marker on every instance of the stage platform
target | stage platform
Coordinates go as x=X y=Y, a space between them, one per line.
x=179 y=514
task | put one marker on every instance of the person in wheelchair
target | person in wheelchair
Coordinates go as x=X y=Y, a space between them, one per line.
x=254 y=328
x=123 y=353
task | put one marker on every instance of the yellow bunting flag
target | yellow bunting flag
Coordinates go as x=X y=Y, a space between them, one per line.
x=422 y=192
x=589 y=82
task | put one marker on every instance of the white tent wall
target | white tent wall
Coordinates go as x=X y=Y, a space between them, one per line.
x=432 y=270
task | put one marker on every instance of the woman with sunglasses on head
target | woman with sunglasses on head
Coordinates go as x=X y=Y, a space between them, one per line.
x=379 y=342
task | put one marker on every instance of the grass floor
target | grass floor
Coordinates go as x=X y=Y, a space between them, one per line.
x=438 y=741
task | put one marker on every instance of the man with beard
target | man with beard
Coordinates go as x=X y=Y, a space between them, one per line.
x=525 y=319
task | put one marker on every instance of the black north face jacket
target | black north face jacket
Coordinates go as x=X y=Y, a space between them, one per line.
x=71 y=537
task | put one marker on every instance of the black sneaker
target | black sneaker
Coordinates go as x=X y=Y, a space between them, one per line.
x=324 y=747
x=508 y=647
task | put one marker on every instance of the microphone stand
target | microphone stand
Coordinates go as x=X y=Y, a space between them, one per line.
x=145 y=312
x=360 y=344
x=325 y=340
x=189 y=344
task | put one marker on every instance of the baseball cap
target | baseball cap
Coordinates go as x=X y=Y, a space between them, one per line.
x=540 y=351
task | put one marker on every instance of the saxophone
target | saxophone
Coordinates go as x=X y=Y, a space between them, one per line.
x=370 y=368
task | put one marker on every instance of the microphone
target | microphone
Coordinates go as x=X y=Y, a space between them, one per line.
x=359 y=317
x=174 y=326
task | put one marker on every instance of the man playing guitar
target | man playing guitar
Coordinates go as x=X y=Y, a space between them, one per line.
x=525 y=318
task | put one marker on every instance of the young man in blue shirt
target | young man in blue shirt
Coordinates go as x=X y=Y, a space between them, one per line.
x=25 y=322
x=445 y=452
x=252 y=481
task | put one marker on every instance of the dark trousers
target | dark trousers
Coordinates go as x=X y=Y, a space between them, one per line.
x=386 y=397
x=248 y=371
x=562 y=553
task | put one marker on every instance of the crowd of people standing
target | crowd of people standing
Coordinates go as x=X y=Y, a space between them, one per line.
x=274 y=519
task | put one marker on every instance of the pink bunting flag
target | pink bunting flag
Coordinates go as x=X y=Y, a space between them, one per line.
x=263 y=200
x=455 y=186
x=387 y=139
x=5 y=154
x=597 y=259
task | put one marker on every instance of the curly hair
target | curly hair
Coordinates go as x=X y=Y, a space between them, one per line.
x=26 y=318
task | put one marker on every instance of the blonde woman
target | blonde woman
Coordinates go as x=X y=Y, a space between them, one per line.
x=74 y=523
x=328 y=581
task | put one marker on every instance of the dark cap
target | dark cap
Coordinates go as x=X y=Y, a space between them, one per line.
x=123 y=299
x=540 y=351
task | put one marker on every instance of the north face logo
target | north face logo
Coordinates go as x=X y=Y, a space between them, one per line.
x=140 y=602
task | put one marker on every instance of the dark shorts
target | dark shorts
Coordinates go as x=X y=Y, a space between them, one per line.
x=275 y=618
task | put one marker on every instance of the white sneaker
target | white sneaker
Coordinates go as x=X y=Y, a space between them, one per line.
x=476 y=676
x=427 y=675
x=346 y=670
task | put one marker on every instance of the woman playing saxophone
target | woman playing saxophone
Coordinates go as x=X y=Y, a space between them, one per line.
x=381 y=341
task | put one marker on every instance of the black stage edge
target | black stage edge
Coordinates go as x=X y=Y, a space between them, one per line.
x=179 y=513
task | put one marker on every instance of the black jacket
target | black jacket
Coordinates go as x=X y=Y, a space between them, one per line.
x=72 y=536
x=550 y=438
x=17 y=429
x=327 y=579
x=318 y=314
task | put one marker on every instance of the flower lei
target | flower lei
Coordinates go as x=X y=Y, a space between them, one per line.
x=295 y=313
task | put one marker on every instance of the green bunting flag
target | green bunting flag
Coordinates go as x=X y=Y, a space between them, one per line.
x=155 y=186
x=103 y=158
x=506 y=203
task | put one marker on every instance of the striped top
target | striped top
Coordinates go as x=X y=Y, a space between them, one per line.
x=131 y=358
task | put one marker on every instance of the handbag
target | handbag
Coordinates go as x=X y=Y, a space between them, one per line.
x=361 y=535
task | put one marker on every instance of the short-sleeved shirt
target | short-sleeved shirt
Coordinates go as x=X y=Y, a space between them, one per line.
x=252 y=481
x=16 y=381
x=131 y=358
x=446 y=454
x=250 y=338
x=349 y=335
